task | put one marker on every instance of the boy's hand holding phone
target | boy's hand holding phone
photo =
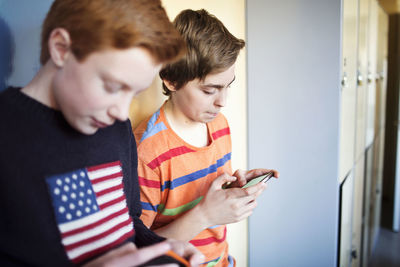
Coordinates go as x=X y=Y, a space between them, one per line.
x=221 y=206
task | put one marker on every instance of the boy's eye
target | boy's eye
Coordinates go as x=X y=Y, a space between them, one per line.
x=209 y=92
x=112 y=86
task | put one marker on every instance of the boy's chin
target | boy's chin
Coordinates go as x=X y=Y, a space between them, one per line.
x=85 y=129
x=87 y=132
x=209 y=118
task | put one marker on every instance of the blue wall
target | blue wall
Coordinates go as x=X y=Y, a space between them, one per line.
x=20 y=28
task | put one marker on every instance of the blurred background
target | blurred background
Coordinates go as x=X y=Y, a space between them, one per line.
x=316 y=97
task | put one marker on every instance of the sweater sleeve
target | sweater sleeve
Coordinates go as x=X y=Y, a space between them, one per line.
x=144 y=236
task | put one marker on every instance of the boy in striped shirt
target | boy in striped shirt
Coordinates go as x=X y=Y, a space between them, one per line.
x=184 y=149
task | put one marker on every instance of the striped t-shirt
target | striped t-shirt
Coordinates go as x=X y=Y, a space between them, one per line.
x=174 y=176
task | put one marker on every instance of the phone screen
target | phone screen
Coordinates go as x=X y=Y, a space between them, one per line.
x=263 y=178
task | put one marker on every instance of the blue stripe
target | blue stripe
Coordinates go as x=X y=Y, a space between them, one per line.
x=153 y=128
x=231 y=261
x=148 y=206
x=215 y=226
x=196 y=175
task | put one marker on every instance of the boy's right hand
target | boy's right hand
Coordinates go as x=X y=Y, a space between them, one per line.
x=223 y=206
x=129 y=256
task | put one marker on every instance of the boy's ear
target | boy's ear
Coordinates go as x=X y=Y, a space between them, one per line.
x=169 y=85
x=59 y=46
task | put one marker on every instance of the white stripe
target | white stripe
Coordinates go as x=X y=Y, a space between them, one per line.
x=99 y=243
x=66 y=227
x=95 y=231
x=107 y=184
x=109 y=197
x=93 y=175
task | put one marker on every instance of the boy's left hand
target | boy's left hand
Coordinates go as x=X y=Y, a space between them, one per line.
x=187 y=251
x=244 y=176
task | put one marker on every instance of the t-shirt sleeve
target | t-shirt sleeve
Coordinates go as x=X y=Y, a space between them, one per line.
x=150 y=192
x=143 y=235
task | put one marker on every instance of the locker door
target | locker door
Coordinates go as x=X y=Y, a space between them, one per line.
x=362 y=72
x=381 y=71
x=348 y=91
x=346 y=213
x=380 y=97
x=368 y=203
x=375 y=194
x=372 y=61
x=358 y=212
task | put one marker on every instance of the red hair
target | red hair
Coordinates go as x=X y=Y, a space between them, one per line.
x=95 y=25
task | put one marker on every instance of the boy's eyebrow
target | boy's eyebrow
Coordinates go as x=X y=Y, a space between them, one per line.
x=219 y=86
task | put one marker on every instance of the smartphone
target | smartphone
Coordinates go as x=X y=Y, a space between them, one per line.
x=262 y=178
x=169 y=257
x=259 y=179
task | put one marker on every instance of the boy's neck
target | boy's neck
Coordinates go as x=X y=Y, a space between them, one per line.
x=192 y=132
x=40 y=86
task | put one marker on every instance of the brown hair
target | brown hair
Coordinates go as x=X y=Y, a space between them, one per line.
x=94 y=25
x=211 y=48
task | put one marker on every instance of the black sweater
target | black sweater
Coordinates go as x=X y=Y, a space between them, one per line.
x=36 y=143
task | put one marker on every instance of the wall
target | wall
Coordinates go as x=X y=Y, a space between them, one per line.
x=20 y=27
x=293 y=118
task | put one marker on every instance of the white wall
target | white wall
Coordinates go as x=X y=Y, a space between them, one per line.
x=293 y=117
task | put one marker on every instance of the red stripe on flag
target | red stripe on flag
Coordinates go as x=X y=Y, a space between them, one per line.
x=112 y=202
x=168 y=155
x=206 y=241
x=108 y=177
x=93 y=225
x=149 y=183
x=109 y=190
x=103 y=166
x=103 y=249
x=99 y=236
x=221 y=133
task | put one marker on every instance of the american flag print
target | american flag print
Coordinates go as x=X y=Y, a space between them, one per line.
x=91 y=210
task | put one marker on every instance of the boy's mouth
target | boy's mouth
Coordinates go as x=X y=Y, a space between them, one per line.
x=99 y=124
x=213 y=114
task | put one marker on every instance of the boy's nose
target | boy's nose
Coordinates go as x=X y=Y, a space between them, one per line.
x=221 y=98
x=120 y=110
